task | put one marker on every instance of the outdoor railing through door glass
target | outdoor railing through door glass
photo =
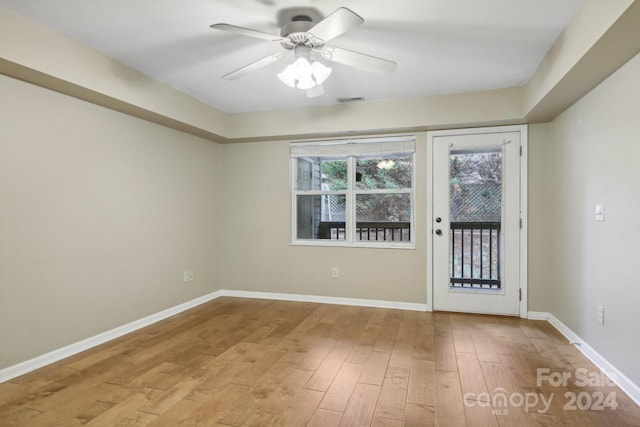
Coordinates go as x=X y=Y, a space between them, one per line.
x=475 y=255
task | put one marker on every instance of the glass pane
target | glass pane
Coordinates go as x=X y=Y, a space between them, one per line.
x=392 y=172
x=334 y=174
x=476 y=187
x=314 y=174
x=321 y=217
x=475 y=214
x=383 y=217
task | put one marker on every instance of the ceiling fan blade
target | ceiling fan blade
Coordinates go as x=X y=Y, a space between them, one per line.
x=247 y=32
x=339 y=22
x=357 y=60
x=260 y=63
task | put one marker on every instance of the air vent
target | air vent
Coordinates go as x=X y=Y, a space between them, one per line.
x=354 y=99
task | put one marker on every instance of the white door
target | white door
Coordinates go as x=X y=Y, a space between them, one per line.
x=475 y=221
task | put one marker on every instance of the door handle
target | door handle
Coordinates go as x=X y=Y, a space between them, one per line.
x=439 y=232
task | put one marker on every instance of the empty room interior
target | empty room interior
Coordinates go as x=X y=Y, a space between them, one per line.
x=267 y=212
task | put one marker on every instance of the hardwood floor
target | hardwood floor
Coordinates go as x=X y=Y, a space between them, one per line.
x=244 y=362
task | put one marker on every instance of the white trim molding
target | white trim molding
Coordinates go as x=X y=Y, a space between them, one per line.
x=524 y=220
x=37 y=362
x=621 y=380
x=538 y=315
x=328 y=300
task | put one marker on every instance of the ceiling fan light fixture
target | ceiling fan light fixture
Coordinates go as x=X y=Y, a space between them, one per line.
x=287 y=76
x=320 y=72
x=305 y=72
x=305 y=82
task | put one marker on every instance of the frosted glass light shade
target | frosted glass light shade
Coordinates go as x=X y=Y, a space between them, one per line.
x=304 y=73
x=320 y=72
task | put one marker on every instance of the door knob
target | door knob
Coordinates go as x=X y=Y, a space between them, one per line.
x=438 y=219
x=439 y=232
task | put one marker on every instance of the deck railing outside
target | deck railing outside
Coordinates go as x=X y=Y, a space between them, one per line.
x=475 y=255
x=367 y=231
x=475 y=247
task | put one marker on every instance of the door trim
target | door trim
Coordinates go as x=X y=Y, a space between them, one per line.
x=524 y=173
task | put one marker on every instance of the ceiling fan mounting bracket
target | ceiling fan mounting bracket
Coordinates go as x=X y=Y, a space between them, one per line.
x=293 y=14
x=301 y=18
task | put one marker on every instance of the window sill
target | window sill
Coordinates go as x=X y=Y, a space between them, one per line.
x=344 y=244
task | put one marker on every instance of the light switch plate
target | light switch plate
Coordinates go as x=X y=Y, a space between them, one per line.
x=599 y=211
x=600 y=314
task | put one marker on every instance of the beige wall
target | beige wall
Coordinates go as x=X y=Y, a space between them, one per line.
x=490 y=107
x=593 y=19
x=593 y=155
x=256 y=234
x=538 y=219
x=100 y=214
x=35 y=53
x=105 y=211
x=256 y=254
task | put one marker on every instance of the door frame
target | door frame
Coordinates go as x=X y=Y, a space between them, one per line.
x=522 y=256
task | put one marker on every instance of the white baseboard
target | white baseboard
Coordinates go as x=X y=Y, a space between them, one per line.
x=53 y=356
x=327 y=300
x=621 y=380
x=538 y=315
x=27 y=366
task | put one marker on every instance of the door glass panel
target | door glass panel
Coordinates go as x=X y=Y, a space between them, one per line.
x=475 y=203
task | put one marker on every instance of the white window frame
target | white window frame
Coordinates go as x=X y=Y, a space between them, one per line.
x=350 y=150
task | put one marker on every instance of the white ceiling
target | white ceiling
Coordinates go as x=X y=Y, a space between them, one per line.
x=440 y=46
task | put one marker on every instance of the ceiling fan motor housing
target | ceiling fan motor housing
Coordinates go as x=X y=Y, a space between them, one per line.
x=296 y=33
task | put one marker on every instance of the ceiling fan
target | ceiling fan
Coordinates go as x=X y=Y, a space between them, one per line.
x=303 y=36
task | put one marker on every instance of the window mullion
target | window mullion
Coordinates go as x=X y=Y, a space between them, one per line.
x=320 y=192
x=351 y=201
x=384 y=191
x=293 y=182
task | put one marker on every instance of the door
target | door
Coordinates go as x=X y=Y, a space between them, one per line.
x=475 y=201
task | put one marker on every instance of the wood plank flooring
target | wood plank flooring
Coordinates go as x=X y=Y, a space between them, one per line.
x=246 y=362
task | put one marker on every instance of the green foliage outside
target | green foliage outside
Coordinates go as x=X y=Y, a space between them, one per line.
x=334 y=174
x=375 y=174
x=476 y=187
x=368 y=174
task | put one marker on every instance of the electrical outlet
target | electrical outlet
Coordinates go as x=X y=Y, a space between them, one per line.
x=335 y=272
x=600 y=315
x=187 y=276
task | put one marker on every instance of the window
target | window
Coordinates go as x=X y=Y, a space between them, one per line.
x=353 y=193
